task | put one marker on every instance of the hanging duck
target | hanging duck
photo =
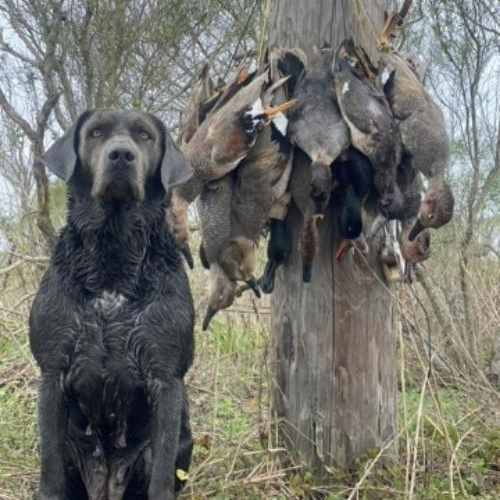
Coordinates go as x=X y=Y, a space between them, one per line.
x=309 y=238
x=353 y=175
x=425 y=139
x=226 y=136
x=316 y=125
x=373 y=128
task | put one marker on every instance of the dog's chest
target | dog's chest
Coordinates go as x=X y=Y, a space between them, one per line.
x=109 y=303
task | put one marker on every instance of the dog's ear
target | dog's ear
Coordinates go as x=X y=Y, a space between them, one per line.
x=175 y=168
x=61 y=157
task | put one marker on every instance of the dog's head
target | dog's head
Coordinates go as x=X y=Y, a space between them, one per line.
x=118 y=152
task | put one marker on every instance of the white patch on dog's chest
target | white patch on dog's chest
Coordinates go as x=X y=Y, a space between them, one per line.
x=109 y=302
x=345 y=87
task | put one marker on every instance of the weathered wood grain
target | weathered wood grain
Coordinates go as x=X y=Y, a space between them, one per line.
x=333 y=339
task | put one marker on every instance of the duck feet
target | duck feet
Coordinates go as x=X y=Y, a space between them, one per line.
x=343 y=247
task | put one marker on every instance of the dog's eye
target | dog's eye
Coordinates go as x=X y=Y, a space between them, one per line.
x=143 y=135
x=97 y=132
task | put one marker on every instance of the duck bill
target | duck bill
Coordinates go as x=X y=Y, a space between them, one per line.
x=254 y=287
x=275 y=110
x=416 y=230
x=188 y=257
x=267 y=280
x=377 y=223
x=211 y=312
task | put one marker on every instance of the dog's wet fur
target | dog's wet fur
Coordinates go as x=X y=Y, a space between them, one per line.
x=112 y=324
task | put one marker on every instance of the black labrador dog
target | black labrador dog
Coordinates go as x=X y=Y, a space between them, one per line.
x=112 y=324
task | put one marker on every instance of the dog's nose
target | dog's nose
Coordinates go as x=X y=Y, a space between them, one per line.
x=121 y=156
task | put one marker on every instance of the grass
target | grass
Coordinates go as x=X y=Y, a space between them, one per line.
x=449 y=437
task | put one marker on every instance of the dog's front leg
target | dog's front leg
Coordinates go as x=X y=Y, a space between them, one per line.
x=166 y=422
x=52 y=421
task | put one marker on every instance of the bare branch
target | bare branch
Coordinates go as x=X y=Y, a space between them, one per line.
x=16 y=117
x=405 y=8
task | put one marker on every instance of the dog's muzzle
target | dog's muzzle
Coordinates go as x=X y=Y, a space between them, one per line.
x=119 y=180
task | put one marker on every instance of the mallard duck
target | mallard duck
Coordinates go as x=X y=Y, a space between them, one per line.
x=204 y=97
x=373 y=128
x=226 y=136
x=233 y=210
x=424 y=136
x=316 y=125
x=410 y=187
x=354 y=178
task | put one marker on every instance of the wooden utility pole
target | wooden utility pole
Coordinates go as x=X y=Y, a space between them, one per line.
x=333 y=339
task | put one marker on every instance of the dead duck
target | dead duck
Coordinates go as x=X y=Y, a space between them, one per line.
x=261 y=180
x=354 y=178
x=316 y=125
x=414 y=251
x=309 y=238
x=253 y=198
x=410 y=187
x=371 y=123
x=237 y=260
x=221 y=293
x=227 y=135
x=234 y=210
x=436 y=209
x=214 y=212
x=282 y=63
x=425 y=138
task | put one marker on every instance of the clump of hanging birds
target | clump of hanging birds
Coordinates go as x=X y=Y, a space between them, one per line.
x=308 y=133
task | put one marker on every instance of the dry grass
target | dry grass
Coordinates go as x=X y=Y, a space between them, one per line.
x=449 y=433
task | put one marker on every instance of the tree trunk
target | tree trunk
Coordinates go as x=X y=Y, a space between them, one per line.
x=333 y=339
x=43 y=194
